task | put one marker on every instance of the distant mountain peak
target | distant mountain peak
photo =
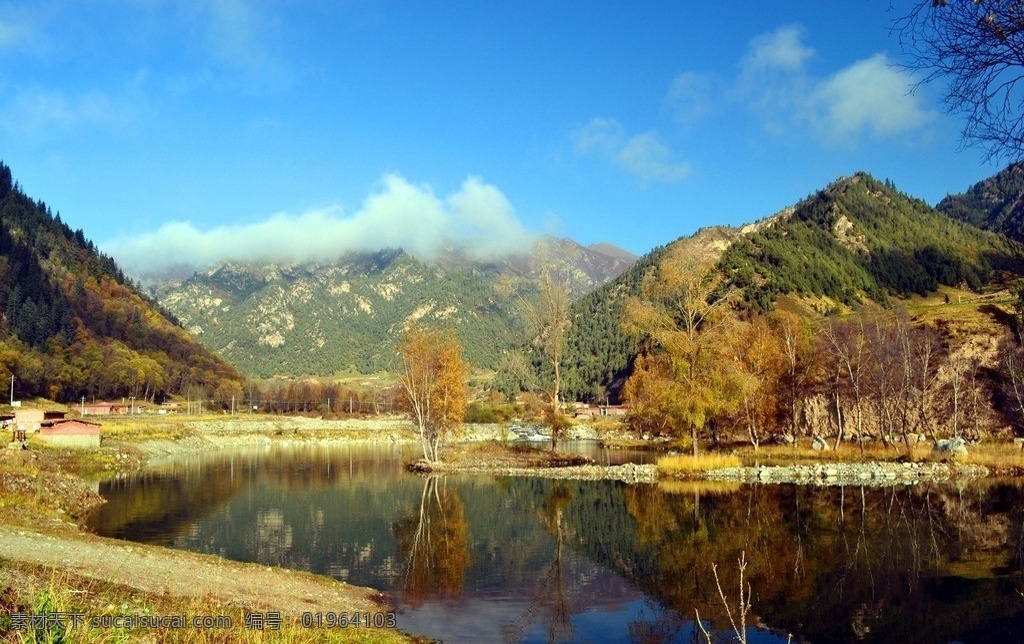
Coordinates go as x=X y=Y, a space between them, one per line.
x=606 y=248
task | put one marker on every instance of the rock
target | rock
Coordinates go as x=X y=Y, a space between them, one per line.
x=950 y=447
x=788 y=439
x=818 y=444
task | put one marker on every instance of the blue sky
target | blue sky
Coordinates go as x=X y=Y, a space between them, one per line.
x=180 y=132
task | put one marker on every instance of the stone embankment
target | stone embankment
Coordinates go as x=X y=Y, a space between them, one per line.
x=628 y=473
x=841 y=474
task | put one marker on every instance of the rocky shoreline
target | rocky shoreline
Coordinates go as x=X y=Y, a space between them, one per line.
x=871 y=474
x=629 y=473
x=218 y=434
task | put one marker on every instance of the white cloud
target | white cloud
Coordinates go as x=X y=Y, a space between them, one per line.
x=867 y=98
x=476 y=218
x=780 y=50
x=869 y=95
x=643 y=155
x=648 y=158
x=601 y=136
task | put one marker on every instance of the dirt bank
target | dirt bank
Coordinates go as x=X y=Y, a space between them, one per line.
x=42 y=505
x=156 y=570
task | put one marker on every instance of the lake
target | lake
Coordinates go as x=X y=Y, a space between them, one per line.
x=485 y=558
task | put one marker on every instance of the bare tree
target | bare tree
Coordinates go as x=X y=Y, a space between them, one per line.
x=848 y=344
x=547 y=317
x=1013 y=361
x=796 y=342
x=977 y=49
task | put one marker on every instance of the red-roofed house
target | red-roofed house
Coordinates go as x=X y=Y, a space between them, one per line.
x=71 y=433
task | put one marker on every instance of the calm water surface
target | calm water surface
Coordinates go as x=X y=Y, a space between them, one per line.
x=483 y=558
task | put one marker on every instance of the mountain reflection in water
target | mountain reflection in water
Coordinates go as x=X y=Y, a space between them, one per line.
x=473 y=558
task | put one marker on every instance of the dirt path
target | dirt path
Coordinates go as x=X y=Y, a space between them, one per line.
x=157 y=570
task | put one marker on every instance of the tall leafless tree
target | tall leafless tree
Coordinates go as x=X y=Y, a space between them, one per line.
x=975 y=48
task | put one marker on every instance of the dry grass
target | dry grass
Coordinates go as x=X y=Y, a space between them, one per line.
x=995 y=455
x=37 y=590
x=998 y=455
x=681 y=464
x=848 y=451
x=146 y=427
x=966 y=311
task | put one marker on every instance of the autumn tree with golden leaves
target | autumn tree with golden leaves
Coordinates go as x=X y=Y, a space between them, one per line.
x=433 y=384
x=691 y=372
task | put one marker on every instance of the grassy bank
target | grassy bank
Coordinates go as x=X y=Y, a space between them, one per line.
x=50 y=565
x=37 y=590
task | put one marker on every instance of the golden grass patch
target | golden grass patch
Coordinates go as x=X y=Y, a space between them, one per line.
x=685 y=464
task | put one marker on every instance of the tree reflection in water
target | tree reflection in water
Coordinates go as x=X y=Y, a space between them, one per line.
x=434 y=544
x=586 y=560
x=550 y=602
x=854 y=563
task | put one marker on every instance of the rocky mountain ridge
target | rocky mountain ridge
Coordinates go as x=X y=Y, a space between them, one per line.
x=319 y=318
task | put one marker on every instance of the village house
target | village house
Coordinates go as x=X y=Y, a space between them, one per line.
x=30 y=420
x=583 y=410
x=98 y=409
x=71 y=433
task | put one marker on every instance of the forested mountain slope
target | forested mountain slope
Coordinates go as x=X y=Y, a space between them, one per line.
x=995 y=204
x=321 y=318
x=855 y=241
x=861 y=238
x=72 y=326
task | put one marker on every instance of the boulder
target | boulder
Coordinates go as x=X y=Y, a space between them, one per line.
x=950 y=447
x=819 y=444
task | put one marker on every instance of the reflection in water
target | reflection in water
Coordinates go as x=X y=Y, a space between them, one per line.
x=518 y=559
x=434 y=542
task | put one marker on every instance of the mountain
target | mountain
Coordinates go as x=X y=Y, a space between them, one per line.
x=599 y=352
x=855 y=241
x=72 y=325
x=612 y=250
x=995 y=204
x=859 y=239
x=293 y=319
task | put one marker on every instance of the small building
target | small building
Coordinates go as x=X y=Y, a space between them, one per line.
x=613 y=410
x=98 y=409
x=583 y=410
x=29 y=420
x=71 y=433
